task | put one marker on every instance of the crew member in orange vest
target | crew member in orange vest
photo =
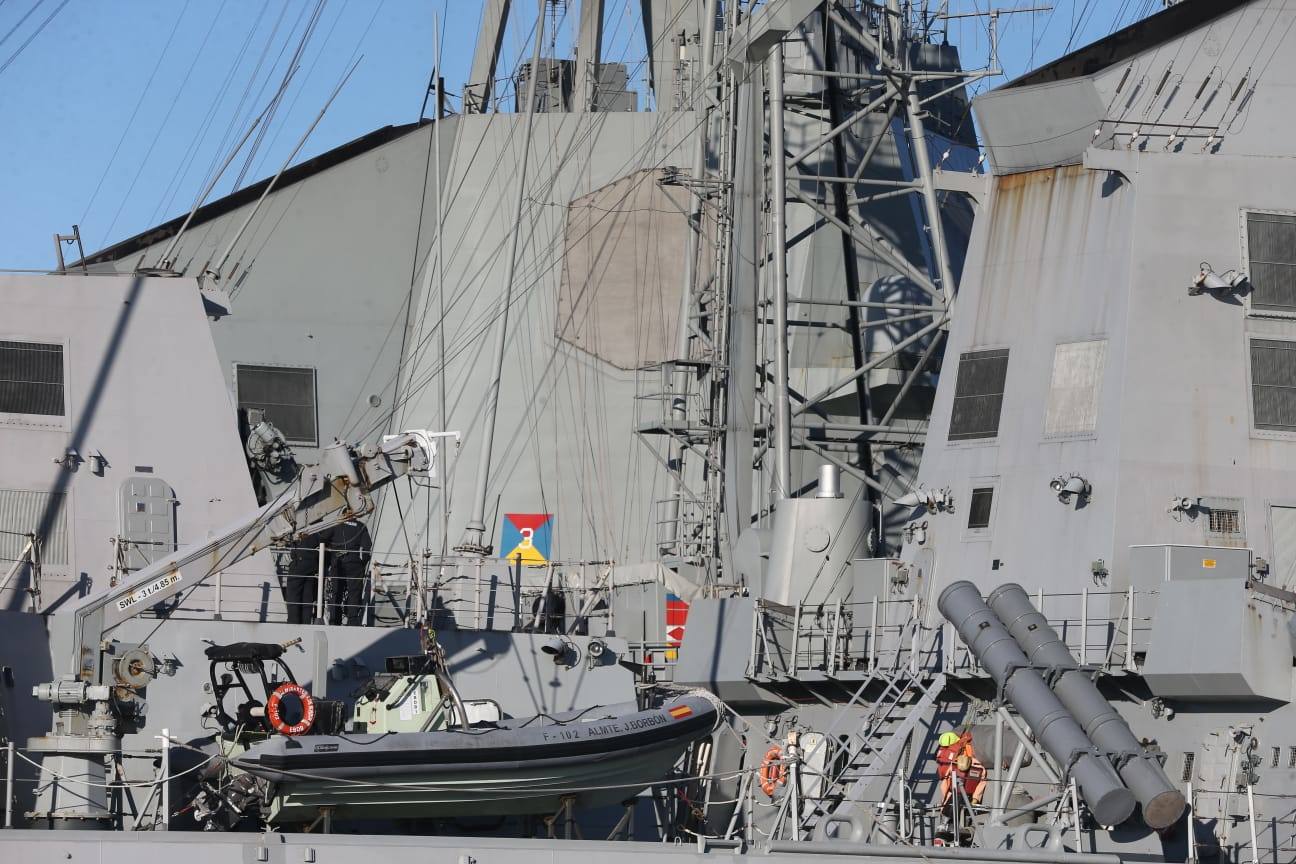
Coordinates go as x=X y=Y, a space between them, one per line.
x=957 y=758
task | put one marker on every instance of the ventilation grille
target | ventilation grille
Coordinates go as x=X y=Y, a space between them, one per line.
x=286 y=395
x=1291 y=757
x=1225 y=522
x=978 y=395
x=1188 y=760
x=31 y=378
x=22 y=512
x=1271 y=250
x=1273 y=384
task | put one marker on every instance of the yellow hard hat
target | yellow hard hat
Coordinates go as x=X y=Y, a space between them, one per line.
x=949 y=739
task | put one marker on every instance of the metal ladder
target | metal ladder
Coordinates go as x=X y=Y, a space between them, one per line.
x=874 y=748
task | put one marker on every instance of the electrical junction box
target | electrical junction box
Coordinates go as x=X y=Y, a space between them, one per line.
x=1212 y=637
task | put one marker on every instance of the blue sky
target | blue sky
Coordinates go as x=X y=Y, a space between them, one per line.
x=115 y=112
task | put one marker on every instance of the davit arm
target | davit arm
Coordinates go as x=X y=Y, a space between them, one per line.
x=339 y=488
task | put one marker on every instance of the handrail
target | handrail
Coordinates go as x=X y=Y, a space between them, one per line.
x=848 y=636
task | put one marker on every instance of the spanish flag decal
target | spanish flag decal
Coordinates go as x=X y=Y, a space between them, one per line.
x=679 y=712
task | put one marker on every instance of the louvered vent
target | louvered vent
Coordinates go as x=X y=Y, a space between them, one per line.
x=978 y=395
x=980 y=508
x=1271 y=253
x=285 y=393
x=1273 y=384
x=31 y=378
x=21 y=513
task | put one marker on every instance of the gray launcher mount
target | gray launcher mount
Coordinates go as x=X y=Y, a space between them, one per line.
x=1162 y=804
x=1054 y=726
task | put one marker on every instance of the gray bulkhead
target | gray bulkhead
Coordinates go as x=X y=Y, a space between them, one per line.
x=1117 y=175
x=144 y=427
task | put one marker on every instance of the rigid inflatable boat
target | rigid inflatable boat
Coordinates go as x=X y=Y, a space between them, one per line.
x=594 y=757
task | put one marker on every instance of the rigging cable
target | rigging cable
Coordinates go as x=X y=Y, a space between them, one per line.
x=261 y=218
x=274 y=107
x=166 y=46
x=238 y=122
x=201 y=136
x=165 y=115
x=328 y=37
x=35 y=33
x=21 y=21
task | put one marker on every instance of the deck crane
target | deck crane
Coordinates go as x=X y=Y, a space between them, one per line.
x=101 y=696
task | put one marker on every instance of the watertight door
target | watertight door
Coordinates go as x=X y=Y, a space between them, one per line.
x=1282 y=533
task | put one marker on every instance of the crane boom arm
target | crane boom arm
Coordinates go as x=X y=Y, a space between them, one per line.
x=337 y=489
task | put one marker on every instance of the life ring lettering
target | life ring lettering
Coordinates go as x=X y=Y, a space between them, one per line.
x=275 y=715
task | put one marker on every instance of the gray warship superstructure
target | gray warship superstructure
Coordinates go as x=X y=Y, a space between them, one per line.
x=965 y=488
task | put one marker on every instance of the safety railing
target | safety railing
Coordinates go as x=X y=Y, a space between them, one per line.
x=135 y=784
x=658 y=658
x=464 y=592
x=1108 y=630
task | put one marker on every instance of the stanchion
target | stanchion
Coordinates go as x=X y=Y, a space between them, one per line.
x=9 y=784
x=166 y=780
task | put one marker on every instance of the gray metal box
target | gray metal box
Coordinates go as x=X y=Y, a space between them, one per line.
x=1150 y=566
x=1211 y=637
x=638 y=611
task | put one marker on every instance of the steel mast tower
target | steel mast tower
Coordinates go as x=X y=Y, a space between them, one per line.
x=824 y=131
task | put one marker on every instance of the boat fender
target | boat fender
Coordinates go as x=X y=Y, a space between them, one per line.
x=773 y=773
x=276 y=718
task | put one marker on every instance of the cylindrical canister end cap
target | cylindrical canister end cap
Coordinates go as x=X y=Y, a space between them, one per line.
x=1114 y=807
x=1164 y=810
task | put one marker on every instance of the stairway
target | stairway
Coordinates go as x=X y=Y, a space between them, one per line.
x=862 y=767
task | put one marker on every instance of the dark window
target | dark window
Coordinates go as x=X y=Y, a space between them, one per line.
x=978 y=395
x=1271 y=253
x=979 y=508
x=286 y=395
x=1273 y=384
x=31 y=378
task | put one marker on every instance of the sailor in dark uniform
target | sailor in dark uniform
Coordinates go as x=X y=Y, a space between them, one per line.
x=302 y=579
x=349 y=546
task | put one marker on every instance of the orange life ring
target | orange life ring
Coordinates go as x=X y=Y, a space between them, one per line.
x=773 y=773
x=276 y=719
